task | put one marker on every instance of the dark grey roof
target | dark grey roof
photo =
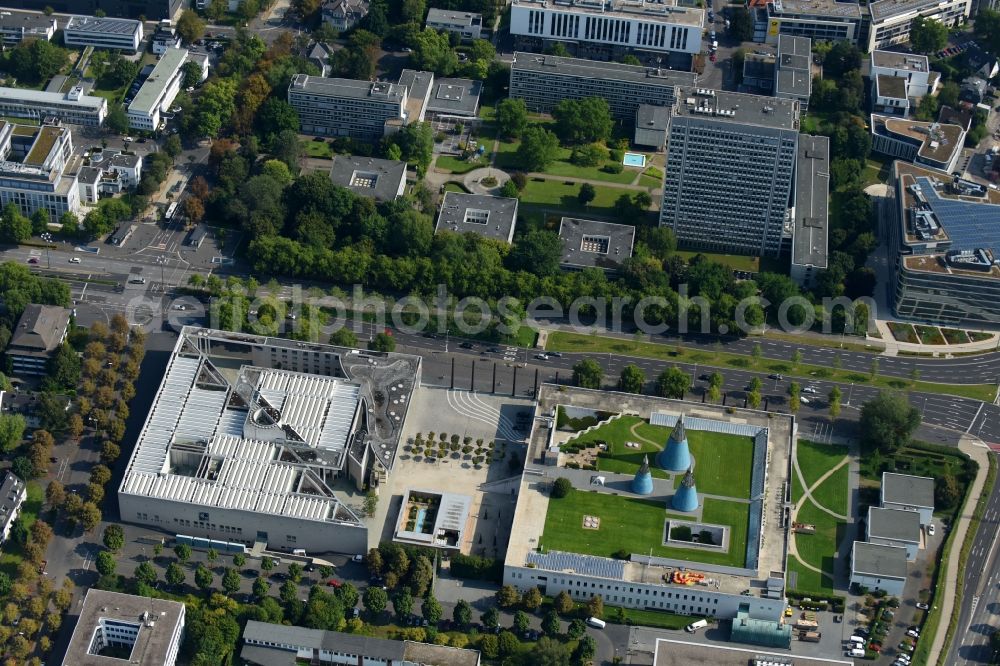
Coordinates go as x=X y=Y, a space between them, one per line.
x=492 y=217
x=89 y=175
x=891 y=86
x=893 y=524
x=793 y=82
x=348 y=88
x=812 y=192
x=259 y=655
x=587 y=565
x=652 y=117
x=28 y=22
x=454 y=18
x=950 y=116
x=739 y=108
x=368 y=176
x=128 y=160
x=589 y=243
x=909 y=490
x=40 y=327
x=874 y=559
x=103 y=25
x=459 y=97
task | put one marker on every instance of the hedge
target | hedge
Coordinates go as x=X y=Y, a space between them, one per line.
x=476 y=568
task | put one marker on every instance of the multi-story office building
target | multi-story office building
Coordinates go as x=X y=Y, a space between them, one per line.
x=729 y=171
x=39 y=333
x=15 y=29
x=158 y=91
x=890 y=20
x=103 y=33
x=608 y=27
x=153 y=10
x=72 y=107
x=819 y=20
x=115 y=628
x=35 y=171
x=934 y=145
x=467 y=25
x=810 y=221
x=542 y=81
x=346 y=107
x=793 y=69
x=944 y=238
x=899 y=80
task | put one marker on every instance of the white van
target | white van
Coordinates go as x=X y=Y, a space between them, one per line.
x=597 y=623
x=695 y=626
x=854 y=652
x=299 y=551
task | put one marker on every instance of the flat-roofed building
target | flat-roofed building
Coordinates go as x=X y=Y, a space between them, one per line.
x=152 y=10
x=115 y=628
x=248 y=436
x=467 y=25
x=907 y=492
x=454 y=98
x=13 y=492
x=895 y=527
x=758 y=73
x=913 y=68
x=611 y=27
x=933 y=145
x=877 y=567
x=810 y=223
x=382 y=180
x=38 y=170
x=730 y=170
x=266 y=644
x=158 y=91
x=72 y=107
x=481 y=214
x=890 y=20
x=793 y=70
x=165 y=37
x=36 y=338
x=819 y=20
x=944 y=238
x=651 y=124
x=543 y=81
x=594 y=244
x=103 y=33
x=14 y=29
x=346 y=107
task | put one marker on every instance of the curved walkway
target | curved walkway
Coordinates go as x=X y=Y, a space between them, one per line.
x=641 y=438
x=807 y=495
x=473 y=180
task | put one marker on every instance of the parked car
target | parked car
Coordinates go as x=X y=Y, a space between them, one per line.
x=930 y=529
x=542 y=357
x=333 y=582
x=922 y=606
x=74 y=260
x=467 y=345
x=913 y=634
x=775 y=376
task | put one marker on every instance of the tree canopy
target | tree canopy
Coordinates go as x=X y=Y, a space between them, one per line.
x=888 y=421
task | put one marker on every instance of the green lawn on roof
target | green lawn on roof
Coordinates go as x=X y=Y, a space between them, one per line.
x=636 y=525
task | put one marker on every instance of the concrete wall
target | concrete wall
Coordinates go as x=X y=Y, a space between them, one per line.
x=311 y=535
x=891 y=586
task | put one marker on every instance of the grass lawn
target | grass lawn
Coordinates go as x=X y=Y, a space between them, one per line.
x=832 y=493
x=930 y=335
x=553 y=194
x=622 y=459
x=12 y=553
x=649 y=181
x=954 y=336
x=575 y=342
x=737 y=262
x=636 y=525
x=815 y=459
x=452 y=186
x=875 y=171
x=978 y=336
x=507 y=159
x=808 y=580
x=819 y=549
x=456 y=165
x=903 y=332
x=320 y=149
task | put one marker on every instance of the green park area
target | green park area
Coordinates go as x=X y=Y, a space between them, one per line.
x=636 y=525
x=578 y=342
x=722 y=462
x=813 y=564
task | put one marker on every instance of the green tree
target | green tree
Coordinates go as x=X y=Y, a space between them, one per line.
x=539 y=148
x=183 y=552
x=508 y=644
x=888 y=421
x=491 y=617
x=431 y=610
x=212 y=555
x=172 y=146
x=531 y=599
x=432 y=52
x=295 y=572
x=549 y=652
x=632 y=379
x=672 y=383
x=231 y=581
x=928 y=35
x=190 y=26
x=507 y=596
x=382 y=342
x=521 y=622
x=595 y=607
x=588 y=373
x=117 y=120
x=753 y=399
x=11 y=431
x=834 y=400
x=577 y=628
x=462 y=614
x=14 y=227
x=581 y=121
x=402 y=604
x=585 y=650
x=740 y=24
x=344 y=337
x=550 y=624
x=511 y=117
x=192 y=74
x=175 y=575
x=794 y=397
x=203 y=578
x=288 y=592
x=64 y=368
x=114 y=537
x=796 y=358
x=371 y=499
x=563 y=603
x=105 y=563
x=145 y=573
x=375 y=599
x=489 y=645
x=756 y=353
x=538 y=252
x=587 y=194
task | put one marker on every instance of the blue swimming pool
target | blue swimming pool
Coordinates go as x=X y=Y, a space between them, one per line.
x=419 y=525
x=634 y=160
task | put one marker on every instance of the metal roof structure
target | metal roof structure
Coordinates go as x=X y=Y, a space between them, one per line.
x=894 y=524
x=588 y=565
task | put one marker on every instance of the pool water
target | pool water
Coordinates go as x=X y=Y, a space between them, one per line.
x=419 y=525
x=634 y=160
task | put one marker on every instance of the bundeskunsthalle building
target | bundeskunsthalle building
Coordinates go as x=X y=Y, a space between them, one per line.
x=543 y=81
x=730 y=170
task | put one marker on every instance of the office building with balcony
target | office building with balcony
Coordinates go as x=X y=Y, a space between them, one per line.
x=158 y=91
x=467 y=25
x=933 y=145
x=15 y=29
x=819 y=20
x=38 y=170
x=890 y=20
x=542 y=81
x=729 y=171
x=103 y=33
x=608 y=29
x=72 y=107
x=944 y=235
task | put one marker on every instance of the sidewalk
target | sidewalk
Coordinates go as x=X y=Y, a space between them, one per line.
x=980 y=454
x=894 y=346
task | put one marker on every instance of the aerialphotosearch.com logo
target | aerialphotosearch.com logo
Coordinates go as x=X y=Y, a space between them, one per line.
x=314 y=318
